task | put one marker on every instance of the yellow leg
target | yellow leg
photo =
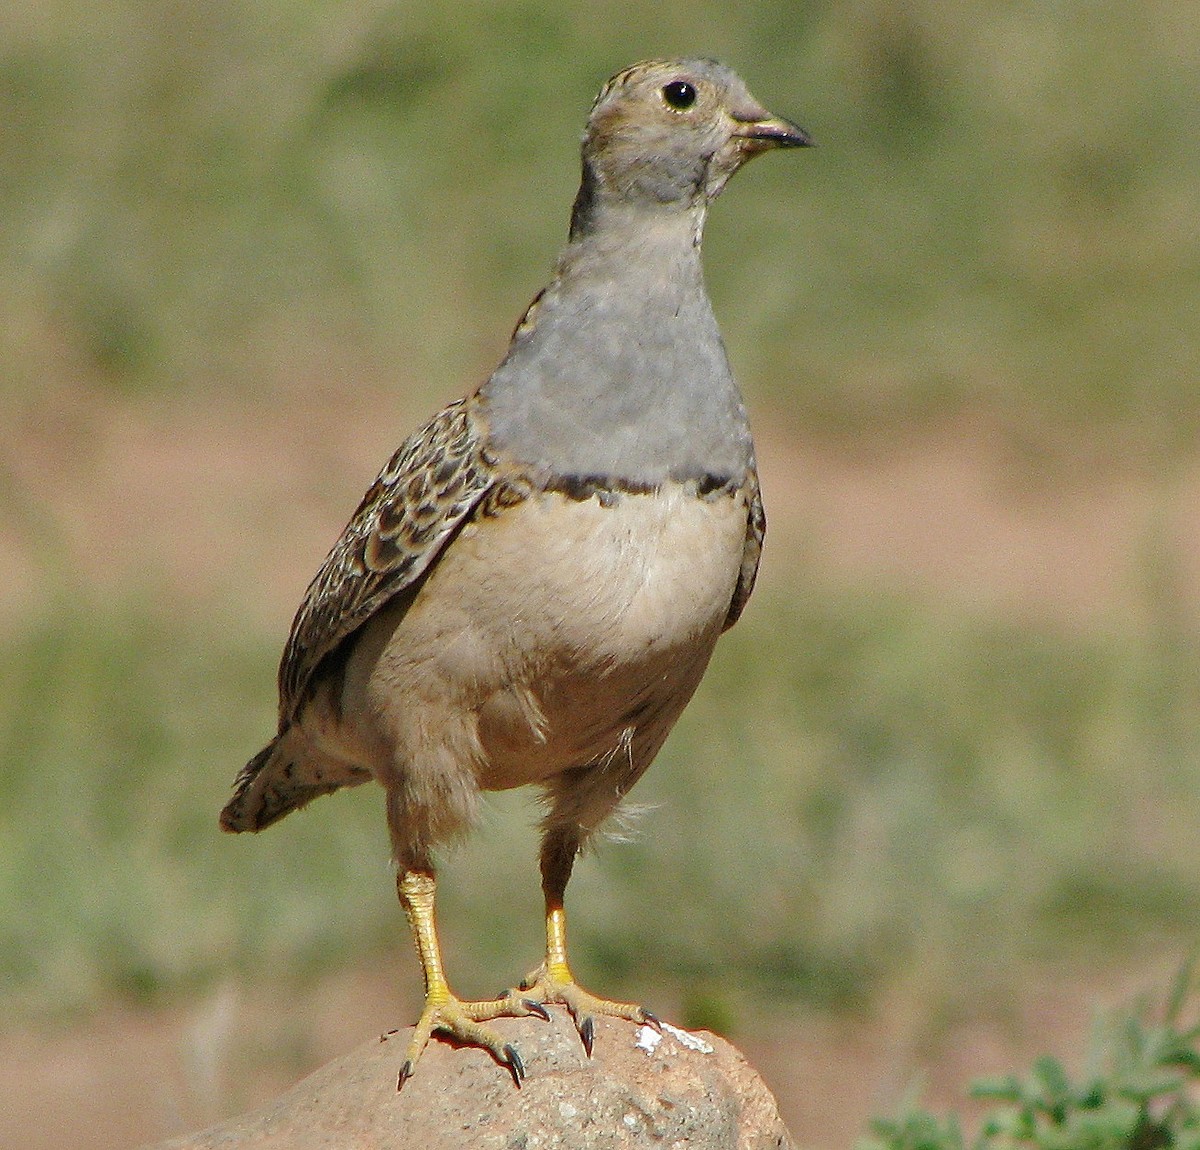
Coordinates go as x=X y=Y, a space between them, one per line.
x=554 y=982
x=444 y=1012
x=556 y=943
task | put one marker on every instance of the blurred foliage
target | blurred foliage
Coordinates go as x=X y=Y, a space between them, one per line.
x=865 y=791
x=1002 y=212
x=255 y=199
x=1137 y=1093
x=114 y=877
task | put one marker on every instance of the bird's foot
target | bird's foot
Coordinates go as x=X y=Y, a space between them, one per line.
x=462 y=1021
x=555 y=984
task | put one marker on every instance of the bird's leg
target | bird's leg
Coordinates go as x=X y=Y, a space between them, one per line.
x=444 y=1012
x=553 y=980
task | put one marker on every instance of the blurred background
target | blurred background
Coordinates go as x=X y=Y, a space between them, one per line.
x=941 y=787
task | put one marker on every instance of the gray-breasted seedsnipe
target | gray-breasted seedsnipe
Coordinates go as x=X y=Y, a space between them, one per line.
x=531 y=589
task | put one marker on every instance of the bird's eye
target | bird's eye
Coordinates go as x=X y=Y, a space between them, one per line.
x=679 y=94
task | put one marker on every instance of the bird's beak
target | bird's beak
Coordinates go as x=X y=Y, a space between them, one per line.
x=772 y=132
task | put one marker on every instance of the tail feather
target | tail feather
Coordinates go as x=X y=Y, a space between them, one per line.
x=281 y=779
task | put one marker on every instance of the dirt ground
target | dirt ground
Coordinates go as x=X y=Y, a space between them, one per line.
x=222 y=505
x=240 y=504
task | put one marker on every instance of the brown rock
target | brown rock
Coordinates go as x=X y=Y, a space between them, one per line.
x=625 y=1096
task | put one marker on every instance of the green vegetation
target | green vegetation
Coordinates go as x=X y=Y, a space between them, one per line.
x=1137 y=1092
x=862 y=790
x=253 y=200
x=1001 y=214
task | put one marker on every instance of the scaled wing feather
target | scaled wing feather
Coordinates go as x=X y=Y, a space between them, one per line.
x=756 y=530
x=420 y=498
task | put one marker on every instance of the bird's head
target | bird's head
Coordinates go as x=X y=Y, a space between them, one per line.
x=672 y=132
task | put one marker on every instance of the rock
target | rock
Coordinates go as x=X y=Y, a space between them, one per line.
x=683 y=1090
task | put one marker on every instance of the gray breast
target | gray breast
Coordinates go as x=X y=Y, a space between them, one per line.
x=632 y=385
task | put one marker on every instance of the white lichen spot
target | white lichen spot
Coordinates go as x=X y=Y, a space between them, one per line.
x=686 y=1038
x=566 y=1110
x=647 y=1039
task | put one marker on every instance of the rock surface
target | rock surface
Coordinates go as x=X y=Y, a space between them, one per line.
x=684 y=1090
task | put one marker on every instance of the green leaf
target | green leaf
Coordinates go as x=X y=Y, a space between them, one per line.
x=1006 y=1088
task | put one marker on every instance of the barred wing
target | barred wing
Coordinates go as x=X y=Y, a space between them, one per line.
x=756 y=530
x=420 y=498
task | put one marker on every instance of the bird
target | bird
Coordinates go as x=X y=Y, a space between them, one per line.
x=531 y=589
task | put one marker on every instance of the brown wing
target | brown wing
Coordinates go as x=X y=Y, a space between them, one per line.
x=408 y=514
x=756 y=530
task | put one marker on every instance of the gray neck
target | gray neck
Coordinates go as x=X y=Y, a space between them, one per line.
x=621 y=374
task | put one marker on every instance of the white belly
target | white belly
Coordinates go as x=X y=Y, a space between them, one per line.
x=549 y=632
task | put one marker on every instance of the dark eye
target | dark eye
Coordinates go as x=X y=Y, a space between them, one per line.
x=679 y=94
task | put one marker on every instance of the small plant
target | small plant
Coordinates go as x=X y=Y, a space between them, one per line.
x=1135 y=1093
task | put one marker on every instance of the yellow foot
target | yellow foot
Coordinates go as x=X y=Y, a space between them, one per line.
x=462 y=1021
x=547 y=984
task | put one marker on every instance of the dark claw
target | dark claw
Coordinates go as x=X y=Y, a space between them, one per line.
x=406 y=1072
x=515 y=1065
x=651 y=1019
x=387 y=1034
x=535 y=1007
x=587 y=1032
